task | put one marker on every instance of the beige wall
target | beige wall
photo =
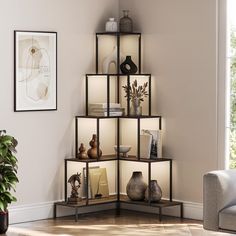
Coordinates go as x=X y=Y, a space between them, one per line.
x=45 y=138
x=179 y=49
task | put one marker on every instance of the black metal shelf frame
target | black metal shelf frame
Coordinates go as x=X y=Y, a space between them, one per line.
x=108 y=77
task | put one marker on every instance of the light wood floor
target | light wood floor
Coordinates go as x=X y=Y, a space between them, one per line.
x=107 y=223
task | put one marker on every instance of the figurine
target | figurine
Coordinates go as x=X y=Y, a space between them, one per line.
x=75 y=182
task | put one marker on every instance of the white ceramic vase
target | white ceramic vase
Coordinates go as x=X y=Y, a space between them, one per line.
x=111 y=25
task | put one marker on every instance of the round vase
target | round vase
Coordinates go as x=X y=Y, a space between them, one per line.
x=136 y=187
x=4 y=222
x=111 y=25
x=126 y=23
x=155 y=192
x=135 y=108
x=128 y=66
x=93 y=152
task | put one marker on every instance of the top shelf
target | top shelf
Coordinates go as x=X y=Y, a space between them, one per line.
x=118 y=33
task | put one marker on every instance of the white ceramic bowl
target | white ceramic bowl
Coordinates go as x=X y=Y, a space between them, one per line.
x=124 y=149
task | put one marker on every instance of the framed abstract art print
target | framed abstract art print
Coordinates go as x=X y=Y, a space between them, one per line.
x=35 y=70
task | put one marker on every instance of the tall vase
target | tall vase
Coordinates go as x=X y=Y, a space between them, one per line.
x=135 y=108
x=126 y=23
x=155 y=192
x=136 y=187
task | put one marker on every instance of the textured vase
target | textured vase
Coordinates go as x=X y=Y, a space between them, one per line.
x=111 y=25
x=155 y=192
x=135 y=108
x=136 y=187
x=126 y=23
x=128 y=66
x=93 y=151
x=3 y=222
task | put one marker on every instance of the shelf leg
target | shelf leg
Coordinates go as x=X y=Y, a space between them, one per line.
x=181 y=210
x=54 y=211
x=76 y=214
x=160 y=214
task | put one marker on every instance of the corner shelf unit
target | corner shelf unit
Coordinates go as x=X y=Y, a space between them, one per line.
x=116 y=157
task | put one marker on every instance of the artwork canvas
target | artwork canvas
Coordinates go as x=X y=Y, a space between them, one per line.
x=35 y=71
x=156 y=147
x=98 y=182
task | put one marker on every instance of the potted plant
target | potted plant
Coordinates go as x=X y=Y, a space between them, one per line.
x=136 y=94
x=8 y=178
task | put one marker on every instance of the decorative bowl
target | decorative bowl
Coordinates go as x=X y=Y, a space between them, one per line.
x=124 y=149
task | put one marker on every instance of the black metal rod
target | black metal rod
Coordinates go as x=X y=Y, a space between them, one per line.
x=138 y=138
x=76 y=137
x=170 y=180
x=160 y=214
x=118 y=54
x=86 y=95
x=150 y=97
x=118 y=157
x=65 y=180
x=181 y=210
x=128 y=95
x=118 y=89
x=160 y=123
x=108 y=95
x=149 y=182
x=96 y=54
x=139 y=54
x=87 y=183
x=98 y=139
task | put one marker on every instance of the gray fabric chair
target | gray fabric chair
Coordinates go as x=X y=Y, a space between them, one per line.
x=219 y=200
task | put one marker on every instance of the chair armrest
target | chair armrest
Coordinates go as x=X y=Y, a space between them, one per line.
x=219 y=191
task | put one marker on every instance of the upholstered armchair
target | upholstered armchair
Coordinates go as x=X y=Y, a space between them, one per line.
x=219 y=200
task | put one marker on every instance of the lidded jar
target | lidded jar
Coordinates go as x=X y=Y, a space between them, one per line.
x=126 y=23
x=111 y=25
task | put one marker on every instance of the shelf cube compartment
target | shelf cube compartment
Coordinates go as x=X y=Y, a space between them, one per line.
x=112 y=49
x=105 y=130
x=112 y=90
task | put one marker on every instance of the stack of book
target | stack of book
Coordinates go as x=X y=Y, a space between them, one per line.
x=100 y=109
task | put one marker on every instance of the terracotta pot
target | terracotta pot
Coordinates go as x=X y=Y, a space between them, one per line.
x=3 y=222
x=136 y=187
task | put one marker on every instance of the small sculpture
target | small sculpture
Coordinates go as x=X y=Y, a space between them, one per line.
x=75 y=182
x=82 y=152
x=128 y=67
x=92 y=152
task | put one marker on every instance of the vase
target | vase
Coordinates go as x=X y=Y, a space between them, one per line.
x=128 y=67
x=126 y=23
x=135 y=108
x=136 y=187
x=155 y=192
x=93 y=151
x=111 y=25
x=4 y=222
x=82 y=152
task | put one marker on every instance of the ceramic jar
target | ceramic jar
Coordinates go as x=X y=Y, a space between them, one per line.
x=93 y=152
x=111 y=25
x=136 y=187
x=155 y=192
x=128 y=66
x=126 y=23
x=135 y=108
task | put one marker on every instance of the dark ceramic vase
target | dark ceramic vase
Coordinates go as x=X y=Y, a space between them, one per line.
x=155 y=192
x=128 y=66
x=3 y=222
x=126 y=23
x=136 y=187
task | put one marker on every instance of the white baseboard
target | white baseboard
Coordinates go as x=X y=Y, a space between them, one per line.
x=39 y=211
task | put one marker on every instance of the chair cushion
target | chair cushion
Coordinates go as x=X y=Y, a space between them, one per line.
x=227 y=218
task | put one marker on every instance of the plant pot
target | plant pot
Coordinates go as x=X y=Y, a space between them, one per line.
x=3 y=222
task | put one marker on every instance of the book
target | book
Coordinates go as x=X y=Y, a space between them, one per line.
x=145 y=146
x=156 y=147
x=104 y=105
x=106 y=109
x=117 y=113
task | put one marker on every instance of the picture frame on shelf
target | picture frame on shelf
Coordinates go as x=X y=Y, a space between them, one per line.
x=156 y=146
x=35 y=70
